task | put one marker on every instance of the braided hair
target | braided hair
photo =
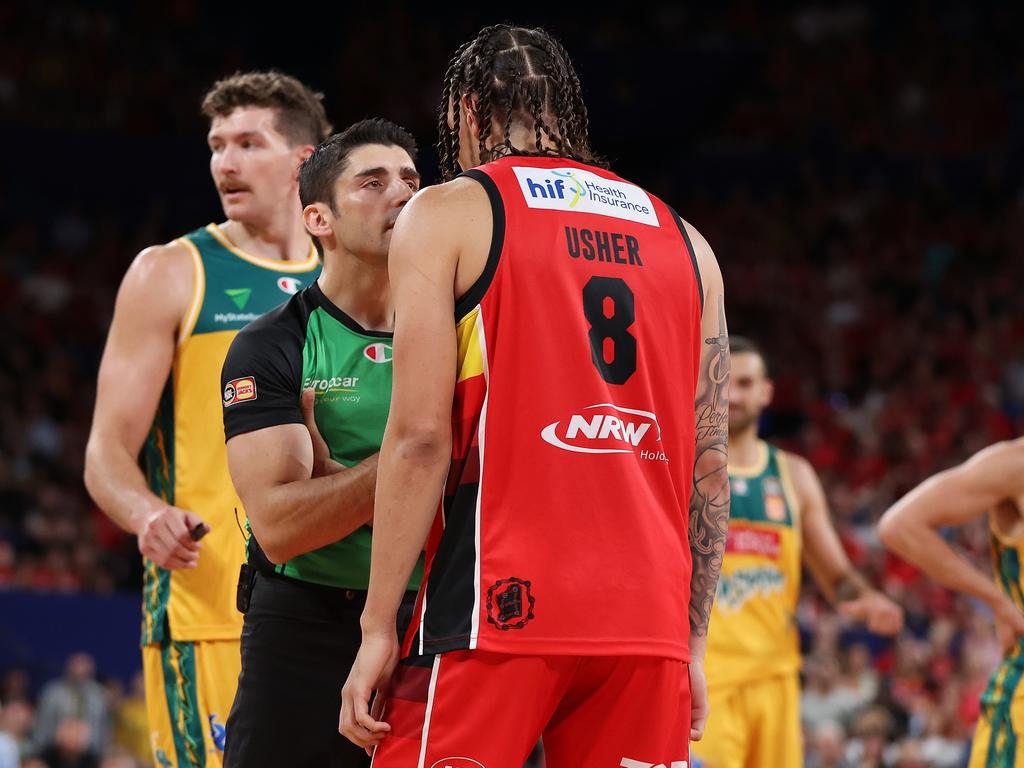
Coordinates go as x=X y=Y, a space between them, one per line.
x=515 y=72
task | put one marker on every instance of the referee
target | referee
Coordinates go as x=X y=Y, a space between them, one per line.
x=308 y=490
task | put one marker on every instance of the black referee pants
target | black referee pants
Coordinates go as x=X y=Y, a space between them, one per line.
x=298 y=645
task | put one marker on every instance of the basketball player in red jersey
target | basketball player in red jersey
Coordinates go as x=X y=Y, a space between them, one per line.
x=558 y=426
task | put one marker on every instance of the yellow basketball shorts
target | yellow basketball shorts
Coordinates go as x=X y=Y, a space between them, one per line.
x=189 y=690
x=752 y=726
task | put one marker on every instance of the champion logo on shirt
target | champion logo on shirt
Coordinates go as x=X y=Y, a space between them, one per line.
x=378 y=353
x=457 y=762
x=289 y=285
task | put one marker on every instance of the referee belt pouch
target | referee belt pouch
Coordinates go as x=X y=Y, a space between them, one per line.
x=246 y=581
x=257 y=562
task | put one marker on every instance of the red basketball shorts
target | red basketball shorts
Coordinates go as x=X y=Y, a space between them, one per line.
x=473 y=709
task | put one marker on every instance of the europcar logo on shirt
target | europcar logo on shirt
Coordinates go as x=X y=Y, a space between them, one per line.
x=607 y=428
x=378 y=353
x=239 y=390
x=580 y=191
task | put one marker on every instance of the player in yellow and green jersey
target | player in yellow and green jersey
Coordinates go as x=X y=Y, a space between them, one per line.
x=779 y=521
x=992 y=483
x=158 y=398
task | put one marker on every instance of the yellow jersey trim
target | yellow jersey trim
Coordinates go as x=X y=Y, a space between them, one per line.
x=276 y=265
x=755 y=469
x=788 y=489
x=198 y=291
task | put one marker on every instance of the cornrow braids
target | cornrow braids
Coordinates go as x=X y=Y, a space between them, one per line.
x=514 y=74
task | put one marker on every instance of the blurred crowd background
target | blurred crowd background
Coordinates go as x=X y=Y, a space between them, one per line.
x=856 y=167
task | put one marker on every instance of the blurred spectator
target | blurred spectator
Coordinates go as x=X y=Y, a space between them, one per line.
x=824 y=698
x=131 y=726
x=78 y=704
x=120 y=758
x=827 y=746
x=9 y=756
x=71 y=746
x=16 y=721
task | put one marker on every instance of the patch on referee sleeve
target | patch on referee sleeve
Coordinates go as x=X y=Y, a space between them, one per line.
x=239 y=390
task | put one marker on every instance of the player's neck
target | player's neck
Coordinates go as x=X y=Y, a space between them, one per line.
x=359 y=288
x=282 y=239
x=744 y=447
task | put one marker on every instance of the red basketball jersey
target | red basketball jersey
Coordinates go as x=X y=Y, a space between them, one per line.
x=563 y=526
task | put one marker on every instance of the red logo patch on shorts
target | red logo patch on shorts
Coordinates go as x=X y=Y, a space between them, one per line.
x=239 y=390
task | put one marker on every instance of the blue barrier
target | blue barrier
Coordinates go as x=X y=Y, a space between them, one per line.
x=39 y=630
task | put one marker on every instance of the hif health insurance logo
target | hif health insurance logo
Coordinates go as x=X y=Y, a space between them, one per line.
x=580 y=191
x=558 y=188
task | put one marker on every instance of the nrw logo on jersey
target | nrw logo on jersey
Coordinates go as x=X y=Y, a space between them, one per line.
x=239 y=390
x=580 y=191
x=607 y=428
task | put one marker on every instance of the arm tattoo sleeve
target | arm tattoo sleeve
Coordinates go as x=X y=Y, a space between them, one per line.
x=709 y=499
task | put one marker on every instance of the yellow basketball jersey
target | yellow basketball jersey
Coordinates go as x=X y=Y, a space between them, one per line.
x=184 y=456
x=753 y=632
x=999 y=730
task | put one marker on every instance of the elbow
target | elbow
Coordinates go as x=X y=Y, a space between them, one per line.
x=90 y=475
x=423 y=443
x=893 y=532
x=273 y=539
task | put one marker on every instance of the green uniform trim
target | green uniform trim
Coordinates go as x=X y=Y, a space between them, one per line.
x=158 y=458
x=751 y=493
x=179 y=663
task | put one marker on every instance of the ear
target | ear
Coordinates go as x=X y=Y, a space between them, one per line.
x=767 y=392
x=317 y=218
x=467 y=105
x=302 y=154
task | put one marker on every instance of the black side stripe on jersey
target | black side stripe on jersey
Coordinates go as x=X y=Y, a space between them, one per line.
x=476 y=292
x=451 y=584
x=693 y=254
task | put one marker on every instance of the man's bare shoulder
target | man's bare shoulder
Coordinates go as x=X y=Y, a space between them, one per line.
x=163 y=261
x=160 y=276
x=1004 y=460
x=800 y=469
x=452 y=197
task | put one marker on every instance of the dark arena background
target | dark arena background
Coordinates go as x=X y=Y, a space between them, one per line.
x=856 y=166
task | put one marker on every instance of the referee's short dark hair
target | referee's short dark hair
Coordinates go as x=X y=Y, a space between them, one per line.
x=321 y=169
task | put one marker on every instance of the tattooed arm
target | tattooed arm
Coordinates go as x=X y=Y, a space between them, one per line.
x=709 y=499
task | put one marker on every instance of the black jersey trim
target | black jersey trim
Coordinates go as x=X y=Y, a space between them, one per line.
x=450 y=584
x=334 y=311
x=476 y=292
x=693 y=254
